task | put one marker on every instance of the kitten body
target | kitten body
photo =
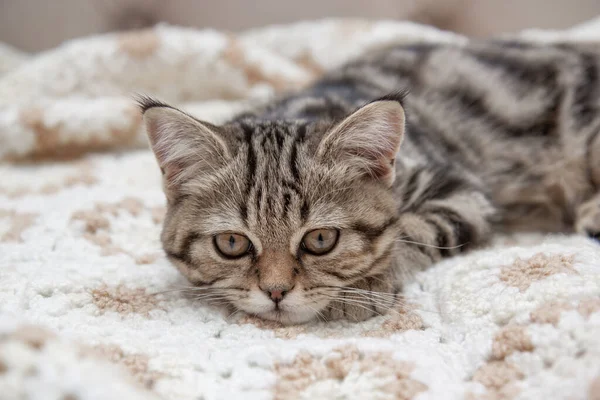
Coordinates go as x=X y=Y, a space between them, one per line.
x=491 y=136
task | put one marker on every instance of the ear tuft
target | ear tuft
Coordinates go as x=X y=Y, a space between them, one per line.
x=368 y=140
x=397 y=96
x=146 y=102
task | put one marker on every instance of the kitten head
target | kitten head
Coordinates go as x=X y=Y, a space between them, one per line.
x=276 y=217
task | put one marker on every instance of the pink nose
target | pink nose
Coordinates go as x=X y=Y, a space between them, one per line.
x=276 y=294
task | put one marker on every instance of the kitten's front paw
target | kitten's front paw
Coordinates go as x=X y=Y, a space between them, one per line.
x=367 y=298
x=588 y=218
x=337 y=310
x=594 y=235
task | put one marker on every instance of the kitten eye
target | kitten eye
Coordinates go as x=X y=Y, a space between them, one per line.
x=232 y=245
x=320 y=241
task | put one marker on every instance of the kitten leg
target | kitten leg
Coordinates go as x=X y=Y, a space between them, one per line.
x=587 y=218
x=440 y=228
x=369 y=297
x=587 y=214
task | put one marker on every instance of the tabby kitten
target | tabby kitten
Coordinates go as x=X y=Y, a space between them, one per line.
x=319 y=204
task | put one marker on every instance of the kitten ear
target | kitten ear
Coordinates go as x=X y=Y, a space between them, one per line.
x=368 y=140
x=183 y=146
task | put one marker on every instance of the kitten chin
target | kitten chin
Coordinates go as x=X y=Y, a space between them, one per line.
x=289 y=317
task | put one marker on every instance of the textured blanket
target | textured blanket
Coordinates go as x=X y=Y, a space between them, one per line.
x=91 y=309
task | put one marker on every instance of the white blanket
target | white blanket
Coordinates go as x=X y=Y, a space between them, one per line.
x=88 y=306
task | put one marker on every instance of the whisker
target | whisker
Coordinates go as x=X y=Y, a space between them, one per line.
x=209 y=293
x=336 y=309
x=318 y=313
x=218 y=304
x=386 y=303
x=347 y=289
x=357 y=301
x=183 y=289
x=223 y=297
x=366 y=296
x=397 y=306
x=343 y=299
x=328 y=306
x=375 y=278
x=431 y=245
x=395 y=297
x=236 y=311
x=211 y=297
x=369 y=300
x=370 y=309
x=381 y=295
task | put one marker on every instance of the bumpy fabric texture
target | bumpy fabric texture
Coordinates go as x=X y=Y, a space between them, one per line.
x=88 y=303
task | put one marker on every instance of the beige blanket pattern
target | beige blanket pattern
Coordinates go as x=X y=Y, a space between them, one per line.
x=89 y=306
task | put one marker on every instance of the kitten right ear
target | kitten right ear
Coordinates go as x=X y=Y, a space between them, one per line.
x=183 y=146
x=368 y=140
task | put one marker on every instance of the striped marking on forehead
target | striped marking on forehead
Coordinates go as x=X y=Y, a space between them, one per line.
x=273 y=186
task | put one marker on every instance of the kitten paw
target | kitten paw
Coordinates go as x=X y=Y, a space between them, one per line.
x=588 y=218
x=365 y=299
x=338 y=310
x=594 y=235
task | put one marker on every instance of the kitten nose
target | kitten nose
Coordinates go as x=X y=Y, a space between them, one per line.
x=276 y=294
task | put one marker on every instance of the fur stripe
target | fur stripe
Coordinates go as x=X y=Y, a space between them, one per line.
x=371 y=232
x=286 y=204
x=250 y=158
x=443 y=237
x=291 y=185
x=444 y=184
x=518 y=65
x=244 y=213
x=411 y=185
x=258 y=199
x=304 y=211
x=413 y=242
x=184 y=253
x=362 y=272
x=472 y=106
x=293 y=166
x=279 y=138
x=586 y=104
x=464 y=233
x=294 y=152
x=591 y=142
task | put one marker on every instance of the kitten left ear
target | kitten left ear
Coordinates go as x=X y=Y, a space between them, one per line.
x=184 y=147
x=368 y=140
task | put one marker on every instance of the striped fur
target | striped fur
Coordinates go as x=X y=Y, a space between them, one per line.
x=498 y=135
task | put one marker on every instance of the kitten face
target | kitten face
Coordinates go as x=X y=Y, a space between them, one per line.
x=275 y=218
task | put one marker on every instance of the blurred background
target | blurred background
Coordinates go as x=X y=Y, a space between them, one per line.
x=34 y=25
